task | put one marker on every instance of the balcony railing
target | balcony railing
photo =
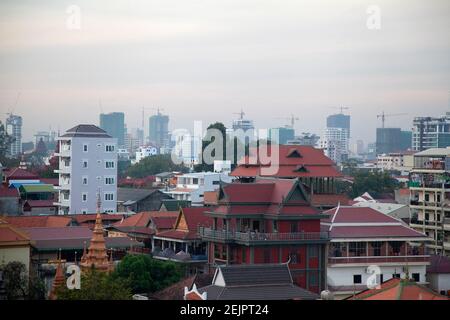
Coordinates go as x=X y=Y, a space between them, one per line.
x=378 y=259
x=259 y=237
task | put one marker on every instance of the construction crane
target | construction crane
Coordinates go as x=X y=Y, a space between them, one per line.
x=292 y=119
x=383 y=117
x=241 y=114
x=341 y=108
x=11 y=110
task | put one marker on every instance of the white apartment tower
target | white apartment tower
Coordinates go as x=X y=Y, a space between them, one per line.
x=87 y=166
x=14 y=129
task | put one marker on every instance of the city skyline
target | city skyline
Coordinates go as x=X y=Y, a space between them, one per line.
x=205 y=61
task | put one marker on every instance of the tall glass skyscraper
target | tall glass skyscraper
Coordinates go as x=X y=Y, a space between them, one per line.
x=114 y=124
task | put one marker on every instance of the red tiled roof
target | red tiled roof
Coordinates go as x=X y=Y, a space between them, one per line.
x=9 y=235
x=329 y=199
x=365 y=222
x=40 y=203
x=39 y=221
x=6 y=192
x=85 y=218
x=210 y=197
x=399 y=289
x=439 y=264
x=164 y=222
x=178 y=234
x=18 y=173
x=52 y=181
x=312 y=161
x=58 y=233
x=142 y=219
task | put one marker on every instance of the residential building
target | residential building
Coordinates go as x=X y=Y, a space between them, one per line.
x=139 y=200
x=398 y=289
x=222 y=166
x=268 y=221
x=306 y=139
x=114 y=125
x=159 y=130
x=188 y=148
x=281 y=135
x=361 y=238
x=87 y=166
x=339 y=120
x=251 y=282
x=14 y=129
x=429 y=132
x=399 y=161
x=192 y=186
x=310 y=165
x=144 y=152
x=334 y=148
x=438 y=274
x=430 y=197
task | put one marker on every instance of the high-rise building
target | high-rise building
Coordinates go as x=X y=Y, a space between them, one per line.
x=243 y=129
x=114 y=124
x=14 y=129
x=339 y=120
x=431 y=132
x=281 y=135
x=429 y=185
x=405 y=140
x=159 y=130
x=388 y=140
x=87 y=166
x=335 y=143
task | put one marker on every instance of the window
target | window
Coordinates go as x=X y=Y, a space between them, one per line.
x=109 y=196
x=109 y=180
x=85 y=148
x=396 y=275
x=244 y=255
x=376 y=246
x=416 y=277
x=380 y=279
x=195 y=181
x=85 y=164
x=294 y=255
x=357 y=249
x=109 y=164
x=313 y=279
x=109 y=148
x=84 y=211
x=267 y=255
x=84 y=197
x=216 y=182
x=85 y=180
x=357 y=279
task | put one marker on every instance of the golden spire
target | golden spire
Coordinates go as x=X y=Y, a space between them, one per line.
x=97 y=255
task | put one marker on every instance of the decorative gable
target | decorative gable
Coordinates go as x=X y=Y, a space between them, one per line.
x=301 y=168
x=294 y=153
x=181 y=223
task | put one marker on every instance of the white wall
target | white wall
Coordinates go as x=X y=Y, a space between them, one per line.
x=439 y=281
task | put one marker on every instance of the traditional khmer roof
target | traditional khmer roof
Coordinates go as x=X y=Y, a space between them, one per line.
x=255 y=282
x=38 y=221
x=293 y=161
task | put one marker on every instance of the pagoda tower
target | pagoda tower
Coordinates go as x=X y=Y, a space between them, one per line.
x=96 y=256
x=59 y=280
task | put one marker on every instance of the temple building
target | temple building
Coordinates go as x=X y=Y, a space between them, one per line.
x=310 y=165
x=268 y=221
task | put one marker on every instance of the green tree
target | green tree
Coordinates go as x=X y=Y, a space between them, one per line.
x=15 y=280
x=97 y=285
x=153 y=165
x=376 y=183
x=145 y=274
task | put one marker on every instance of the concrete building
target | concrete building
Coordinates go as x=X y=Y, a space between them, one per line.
x=159 y=130
x=87 y=166
x=144 y=152
x=430 y=197
x=431 y=132
x=368 y=247
x=14 y=129
x=340 y=137
x=192 y=186
x=339 y=120
x=401 y=161
x=114 y=124
x=243 y=129
x=281 y=135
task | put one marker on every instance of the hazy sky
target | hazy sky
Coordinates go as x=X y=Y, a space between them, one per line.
x=205 y=59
